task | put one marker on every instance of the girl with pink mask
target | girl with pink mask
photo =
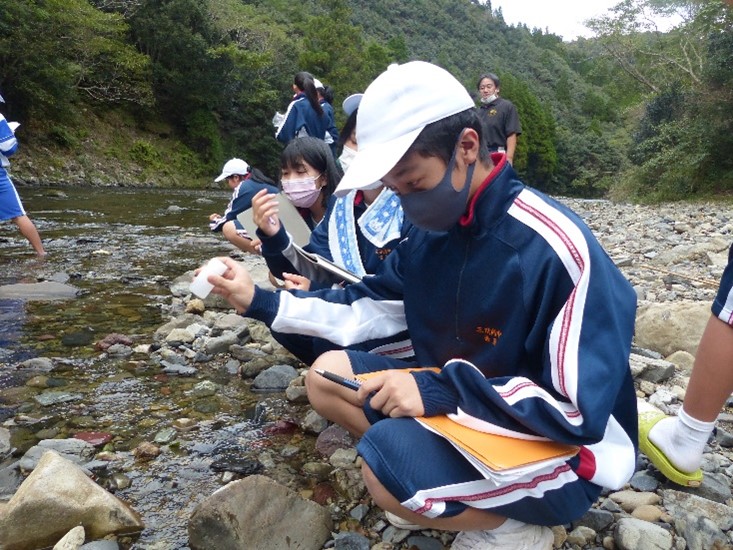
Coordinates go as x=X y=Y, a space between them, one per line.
x=308 y=177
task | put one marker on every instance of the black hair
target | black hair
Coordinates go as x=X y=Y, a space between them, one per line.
x=315 y=152
x=259 y=176
x=348 y=128
x=326 y=93
x=490 y=76
x=439 y=138
x=304 y=81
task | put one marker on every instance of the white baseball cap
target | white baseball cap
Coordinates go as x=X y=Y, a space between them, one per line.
x=232 y=167
x=394 y=110
x=351 y=103
x=317 y=83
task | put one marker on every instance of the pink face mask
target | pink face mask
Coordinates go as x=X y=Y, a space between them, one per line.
x=302 y=192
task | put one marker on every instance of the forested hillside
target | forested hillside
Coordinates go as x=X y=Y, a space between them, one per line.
x=166 y=90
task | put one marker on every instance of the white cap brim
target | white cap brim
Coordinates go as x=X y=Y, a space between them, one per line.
x=351 y=103
x=221 y=177
x=371 y=163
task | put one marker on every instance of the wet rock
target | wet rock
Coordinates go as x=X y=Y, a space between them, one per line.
x=119 y=350
x=165 y=436
x=258 y=514
x=78 y=338
x=182 y=321
x=94 y=438
x=146 y=451
x=180 y=336
x=296 y=393
x=101 y=545
x=10 y=480
x=57 y=497
x=120 y=481
x=221 y=344
x=73 y=450
x=44 y=291
x=231 y=322
x=313 y=423
x=276 y=378
x=40 y=364
x=180 y=370
x=246 y=353
x=318 y=470
x=343 y=458
x=5 y=446
x=204 y=388
x=238 y=465
x=111 y=339
x=184 y=424
x=351 y=541
x=254 y=367
x=55 y=397
x=195 y=306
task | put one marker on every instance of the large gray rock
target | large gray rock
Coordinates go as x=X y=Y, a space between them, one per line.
x=670 y=327
x=43 y=291
x=258 y=514
x=54 y=499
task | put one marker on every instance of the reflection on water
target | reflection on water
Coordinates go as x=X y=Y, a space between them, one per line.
x=119 y=247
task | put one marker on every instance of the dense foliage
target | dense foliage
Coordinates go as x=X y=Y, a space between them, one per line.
x=634 y=111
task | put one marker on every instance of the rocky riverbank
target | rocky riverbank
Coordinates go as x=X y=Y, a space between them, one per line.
x=284 y=474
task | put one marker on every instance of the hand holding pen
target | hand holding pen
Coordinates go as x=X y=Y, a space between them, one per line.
x=393 y=392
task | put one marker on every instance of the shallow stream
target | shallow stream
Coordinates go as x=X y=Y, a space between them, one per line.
x=122 y=248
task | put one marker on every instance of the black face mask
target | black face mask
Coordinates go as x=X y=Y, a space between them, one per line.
x=439 y=208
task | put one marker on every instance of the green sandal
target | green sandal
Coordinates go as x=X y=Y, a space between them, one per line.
x=646 y=421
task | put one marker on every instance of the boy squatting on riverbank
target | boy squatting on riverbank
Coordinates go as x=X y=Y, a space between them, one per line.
x=510 y=295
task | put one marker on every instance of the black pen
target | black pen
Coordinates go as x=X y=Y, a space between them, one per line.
x=345 y=382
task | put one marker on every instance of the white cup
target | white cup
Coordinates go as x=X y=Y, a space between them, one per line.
x=200 y=286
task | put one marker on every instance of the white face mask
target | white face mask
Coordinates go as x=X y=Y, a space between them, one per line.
x=347 y=155
x=302 y=192
x=489 y=99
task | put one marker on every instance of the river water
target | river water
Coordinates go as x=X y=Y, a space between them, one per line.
x=122 y=248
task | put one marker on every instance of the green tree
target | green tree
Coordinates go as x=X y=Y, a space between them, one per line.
x=57 y=52
x=683 y=143
x=535 y=158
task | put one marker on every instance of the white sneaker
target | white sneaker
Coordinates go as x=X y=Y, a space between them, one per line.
x=527 y=537
x=400 y=523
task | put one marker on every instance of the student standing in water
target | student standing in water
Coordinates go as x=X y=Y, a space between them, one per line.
x=11 y=208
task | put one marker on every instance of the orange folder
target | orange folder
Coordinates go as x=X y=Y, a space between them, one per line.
x=497 y=452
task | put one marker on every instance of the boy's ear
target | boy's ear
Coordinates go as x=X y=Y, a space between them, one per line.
x=469 y=146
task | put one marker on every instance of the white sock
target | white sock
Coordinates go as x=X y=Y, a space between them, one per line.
x=682 y=440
